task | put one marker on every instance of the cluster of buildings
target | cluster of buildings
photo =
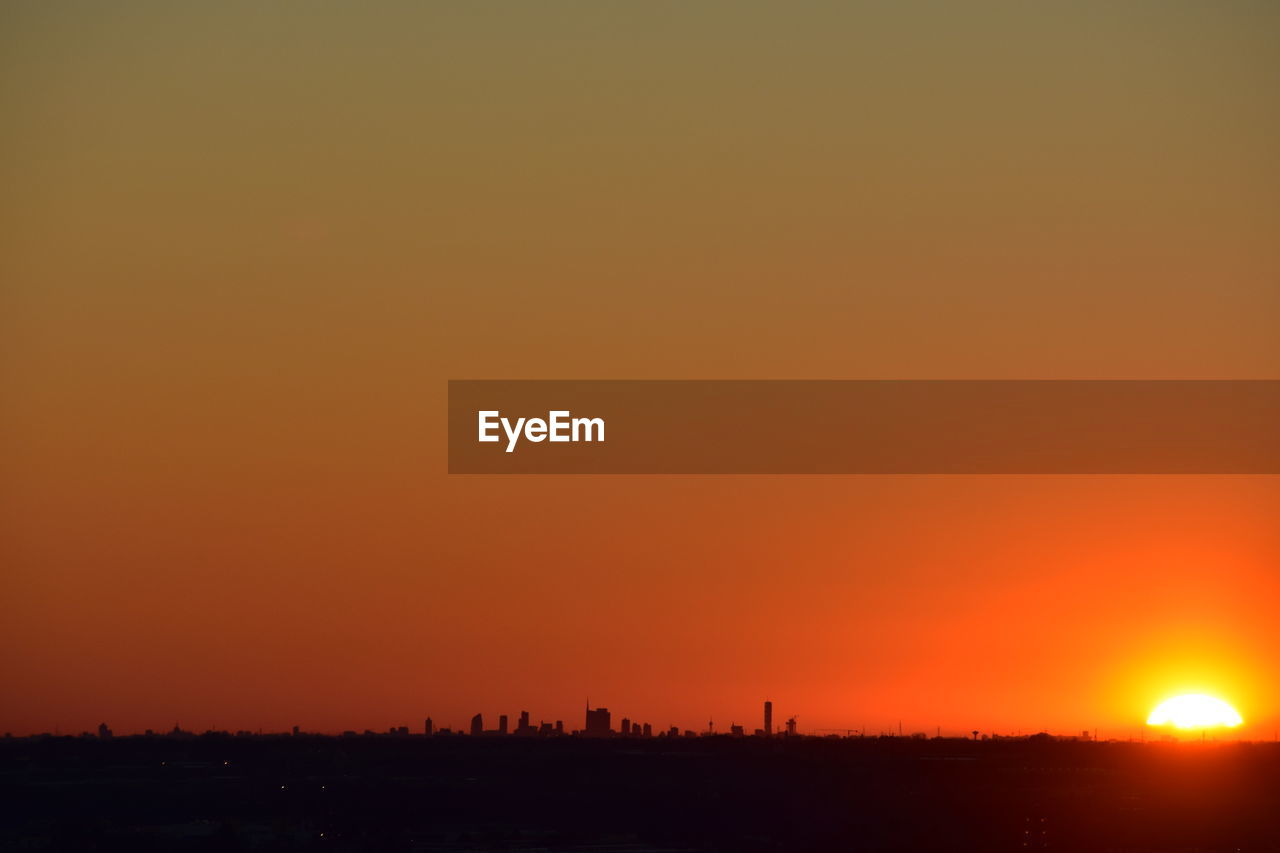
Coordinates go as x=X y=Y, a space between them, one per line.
x=598 y=723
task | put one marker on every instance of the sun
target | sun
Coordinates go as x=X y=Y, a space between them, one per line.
x=1194 y=711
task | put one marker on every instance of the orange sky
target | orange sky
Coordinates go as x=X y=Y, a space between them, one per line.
x=243 y=248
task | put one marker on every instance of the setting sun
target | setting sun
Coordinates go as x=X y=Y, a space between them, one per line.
x=1194 y=711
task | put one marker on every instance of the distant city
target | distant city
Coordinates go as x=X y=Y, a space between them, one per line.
x=608 y=783
x=597 y=723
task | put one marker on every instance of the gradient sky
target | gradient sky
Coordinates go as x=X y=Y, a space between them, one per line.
x=243 y=246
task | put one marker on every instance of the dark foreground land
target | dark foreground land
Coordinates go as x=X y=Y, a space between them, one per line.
x=627 y=796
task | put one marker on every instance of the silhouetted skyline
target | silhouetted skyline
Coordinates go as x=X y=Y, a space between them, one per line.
x=597 y=723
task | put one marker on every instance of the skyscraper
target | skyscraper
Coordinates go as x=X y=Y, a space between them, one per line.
x=477 y=725
x=502 y=724
x=768 y=719
x=598 y=722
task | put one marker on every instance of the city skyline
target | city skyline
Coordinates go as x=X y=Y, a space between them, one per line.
x=598 y=722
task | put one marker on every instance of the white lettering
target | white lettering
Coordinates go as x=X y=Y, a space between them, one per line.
x=513 y=435
x=559 y=423
x=486 y=424
x=587 y=424
x=559 y=426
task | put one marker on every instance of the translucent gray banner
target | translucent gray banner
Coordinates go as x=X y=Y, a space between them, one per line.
x=863 y=427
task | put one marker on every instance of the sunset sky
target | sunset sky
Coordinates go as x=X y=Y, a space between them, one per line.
x=243 y=247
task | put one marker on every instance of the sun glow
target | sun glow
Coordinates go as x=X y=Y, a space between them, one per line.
x=1194 y=711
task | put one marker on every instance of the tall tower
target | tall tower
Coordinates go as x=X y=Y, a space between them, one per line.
x=768 y=719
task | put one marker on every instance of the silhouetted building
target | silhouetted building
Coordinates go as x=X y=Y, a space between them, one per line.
x=791 y=727
x=104 y=732
x=523 y=727
x=502 y=724
x=648 y=730
x=625 y=728
x=559 y=727
x=477 y=725
x=428 y=727
x=768 y=719
x=598 y=722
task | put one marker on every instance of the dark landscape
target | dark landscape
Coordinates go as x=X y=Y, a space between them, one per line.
x=399 y=792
